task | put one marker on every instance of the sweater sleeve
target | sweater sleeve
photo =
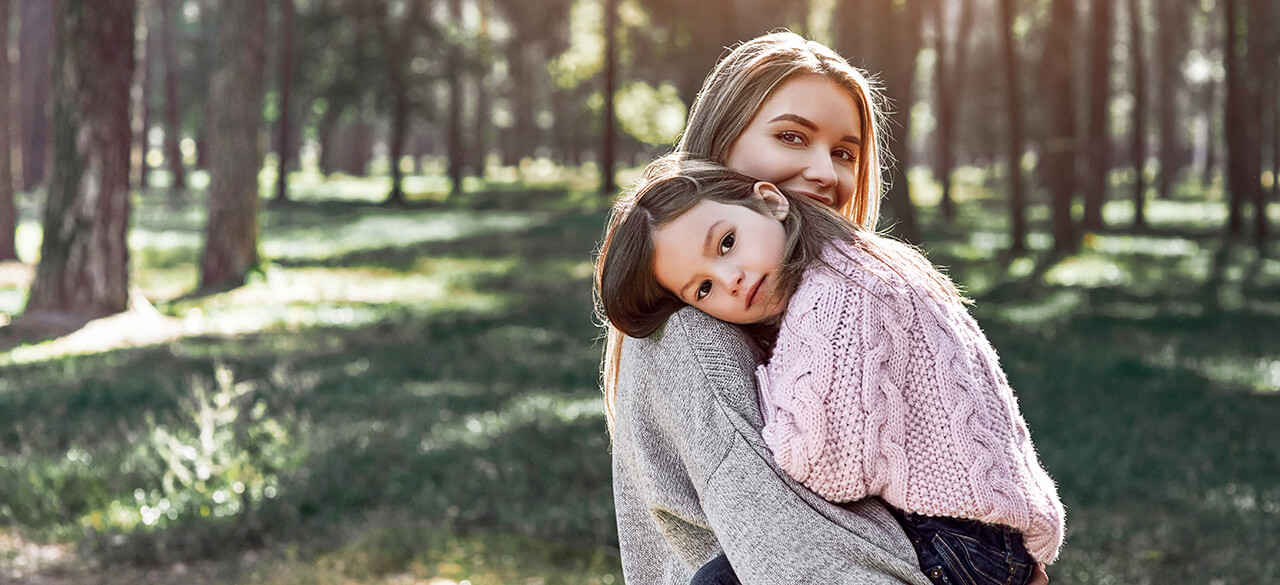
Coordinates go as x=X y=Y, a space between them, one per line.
x=692 y=476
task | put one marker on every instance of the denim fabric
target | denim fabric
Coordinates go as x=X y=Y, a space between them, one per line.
x=716 y=572
x=955 y=551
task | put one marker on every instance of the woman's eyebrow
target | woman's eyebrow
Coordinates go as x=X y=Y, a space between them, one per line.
x=801 y=120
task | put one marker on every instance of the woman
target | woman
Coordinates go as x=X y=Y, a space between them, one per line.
x=694 y=484
x=692 y=477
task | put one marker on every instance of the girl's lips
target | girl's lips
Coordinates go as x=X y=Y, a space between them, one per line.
x=755 y=290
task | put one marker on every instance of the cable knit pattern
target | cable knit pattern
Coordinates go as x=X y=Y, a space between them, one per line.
x=878 y=389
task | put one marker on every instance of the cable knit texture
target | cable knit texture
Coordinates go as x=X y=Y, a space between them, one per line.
x=876 y=388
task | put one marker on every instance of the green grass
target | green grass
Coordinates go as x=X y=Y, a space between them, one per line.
x=403 y=395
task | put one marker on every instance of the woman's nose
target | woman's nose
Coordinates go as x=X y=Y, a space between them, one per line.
x=820 y=169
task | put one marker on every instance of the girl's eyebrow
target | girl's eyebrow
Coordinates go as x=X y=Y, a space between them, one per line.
x=801 y=120
x=706 y=246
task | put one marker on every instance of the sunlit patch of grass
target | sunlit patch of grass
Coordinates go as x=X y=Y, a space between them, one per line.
x=1256 y=374
x=392 y=230
x=1052 y=308
x=1086 y=271
x=532 y=406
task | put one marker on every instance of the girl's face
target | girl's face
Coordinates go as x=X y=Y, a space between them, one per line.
x=805 y=137
x=723 y=258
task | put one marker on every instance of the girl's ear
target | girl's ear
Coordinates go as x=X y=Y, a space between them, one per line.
x=773 y=198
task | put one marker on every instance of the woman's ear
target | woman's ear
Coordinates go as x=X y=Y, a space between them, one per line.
x=773 y=198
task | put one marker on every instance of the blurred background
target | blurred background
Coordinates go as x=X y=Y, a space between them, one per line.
x=298 y=291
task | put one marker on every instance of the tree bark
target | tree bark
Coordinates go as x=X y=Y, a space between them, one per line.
x=84 y=257
x=1018 y=197
x=607 y=153
x=325 y=132
x=8 y=211
x=482 y=121
x=1257 y=70
x=141 y=106
x=173 y=127
x=1059 y=157
x=1171 y=38
x=286 y=81
x=231 y=243
x=1099 y=167
x=949 y=85
x=457 y=149
x=1138 y=144
x=1241 y=51
x=899 y=37
x=34 y=45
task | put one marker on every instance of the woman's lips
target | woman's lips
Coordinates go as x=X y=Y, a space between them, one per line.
x=819 y=198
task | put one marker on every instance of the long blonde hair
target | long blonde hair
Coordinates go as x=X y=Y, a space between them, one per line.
x=730 y=97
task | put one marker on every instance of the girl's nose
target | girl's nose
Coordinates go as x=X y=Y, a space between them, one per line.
x=731 y=279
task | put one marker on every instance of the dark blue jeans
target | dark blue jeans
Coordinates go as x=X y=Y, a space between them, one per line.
x=716 y=572
x=955 y=551
x=952 y=551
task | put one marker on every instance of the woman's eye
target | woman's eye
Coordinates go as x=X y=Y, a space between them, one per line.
x=845 y=154
x=726 y=243
x=704 y=289
x=789 y=137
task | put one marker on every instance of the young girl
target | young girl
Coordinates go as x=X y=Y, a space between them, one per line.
x=879 y=384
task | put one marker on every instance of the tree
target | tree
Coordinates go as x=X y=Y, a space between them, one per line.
x=1059 y=157
x=950 y=75
x=173 y=127
x=1099 y=139
x=34 y=42
x=84 y=257
x=8 y=212
x=286 y=81
x=607 y=156
x=1171 y=37
x=897 y=37
x=231 y=241
x=1017 y=199
x=1243 y=53
x=1138 y=144
x=457 y=149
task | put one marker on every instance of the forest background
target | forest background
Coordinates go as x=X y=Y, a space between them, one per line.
x=299 y=291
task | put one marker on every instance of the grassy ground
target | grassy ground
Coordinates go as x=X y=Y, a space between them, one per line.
x=409 y=396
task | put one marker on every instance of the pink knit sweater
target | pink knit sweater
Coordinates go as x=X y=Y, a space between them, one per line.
x=876 y=389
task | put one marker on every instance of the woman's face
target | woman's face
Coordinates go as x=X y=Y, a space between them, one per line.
x=805 y=137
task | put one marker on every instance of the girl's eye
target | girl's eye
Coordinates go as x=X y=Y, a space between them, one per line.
x=792 y=138
x=845 y=154
x=726 y=243
x=704 y=289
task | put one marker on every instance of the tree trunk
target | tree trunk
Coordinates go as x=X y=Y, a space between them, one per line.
x=457 y=150
x=1139 y=138
x=173 y=128
x=481 y=129
x=1171 y=38
x=325 y=132
x=84 y=257
x=1099 y=167
x=231 y=244
x=399 y=129
x=607 y=154
x=141 y=107
x=899 y=36
x=34 y=42
x=949 y=79
x=1059 y=157
x=286 y=81
x=8 y=211
x=1018 y=197
x=1257 y=69
x=1243 y=158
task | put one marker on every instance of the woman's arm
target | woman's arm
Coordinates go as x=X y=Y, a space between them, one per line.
x=692 y=475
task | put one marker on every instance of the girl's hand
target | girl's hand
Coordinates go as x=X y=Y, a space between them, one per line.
x=1039 y=577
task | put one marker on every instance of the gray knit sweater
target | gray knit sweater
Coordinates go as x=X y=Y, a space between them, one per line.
x=692 y=476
